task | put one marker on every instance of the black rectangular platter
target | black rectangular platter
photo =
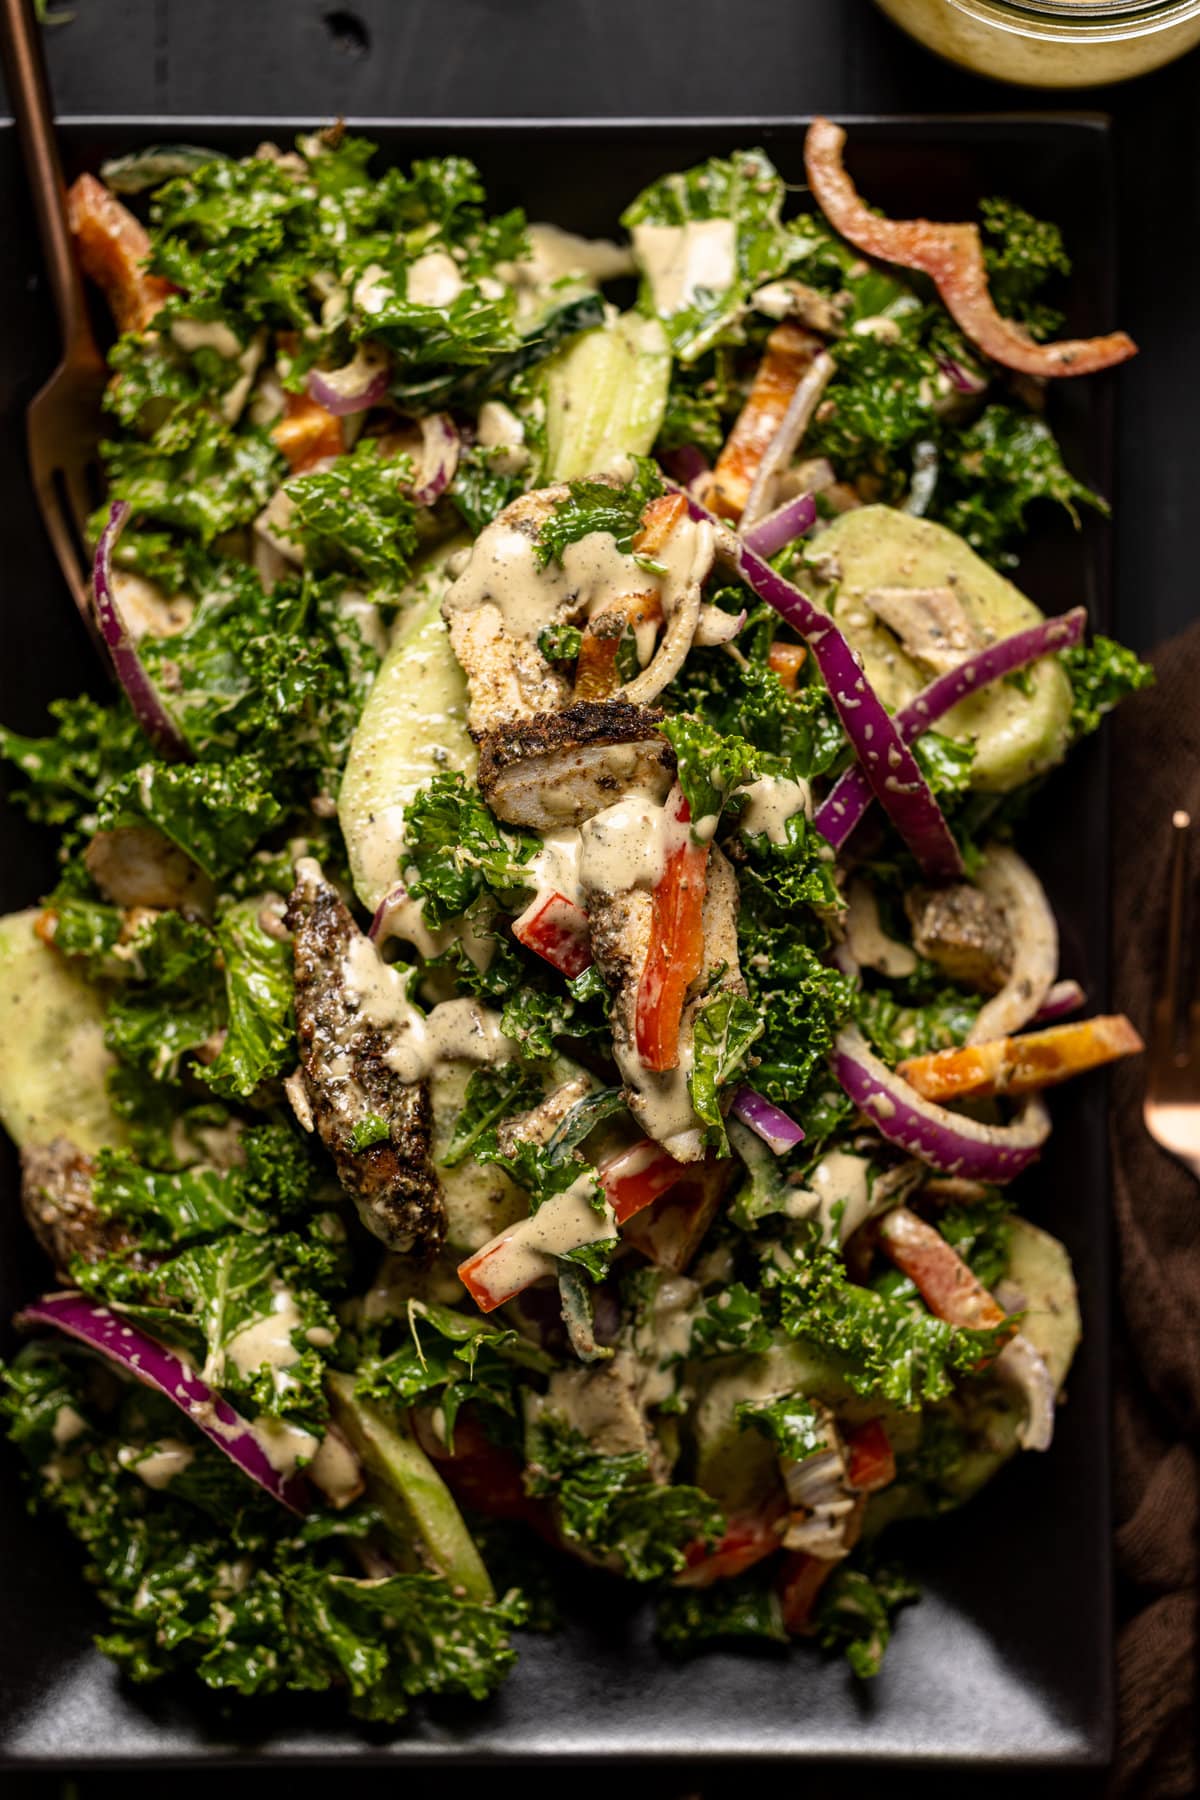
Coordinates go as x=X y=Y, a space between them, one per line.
x=1007 y=1661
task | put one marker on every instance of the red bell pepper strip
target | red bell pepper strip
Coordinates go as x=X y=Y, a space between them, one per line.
x=631 y=1179
x=943 y=1280
x=746 y=1541
x=669 y=1234
x=554 y=928
x=635 y=1177
x=801 y=1578
x=676 y=953
x=952 y=257
x=870 y=1462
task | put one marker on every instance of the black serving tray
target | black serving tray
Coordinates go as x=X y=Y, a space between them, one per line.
x=1008 y=1659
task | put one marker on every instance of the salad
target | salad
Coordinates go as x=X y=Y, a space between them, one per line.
x=541 y=1012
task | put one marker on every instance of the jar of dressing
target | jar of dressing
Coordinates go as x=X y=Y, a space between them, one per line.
x=1052 y=43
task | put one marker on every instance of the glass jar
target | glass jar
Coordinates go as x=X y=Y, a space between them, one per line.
x=1052 y=43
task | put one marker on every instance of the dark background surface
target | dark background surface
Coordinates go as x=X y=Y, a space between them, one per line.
x=624 y=58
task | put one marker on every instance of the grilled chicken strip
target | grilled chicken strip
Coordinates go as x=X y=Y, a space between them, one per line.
x=56 y=1197
x=620 y=931
x=134 y=865
x=505 y=597
x=959 y=930
x=347 y=1080
x=561 y=768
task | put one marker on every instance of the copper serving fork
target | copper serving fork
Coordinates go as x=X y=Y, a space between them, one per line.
x=64 y=420
x=1172 y=1104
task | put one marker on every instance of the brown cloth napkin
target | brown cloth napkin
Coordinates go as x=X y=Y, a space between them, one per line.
x=1156 y=768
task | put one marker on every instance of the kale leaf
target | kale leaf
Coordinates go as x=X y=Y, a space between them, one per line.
x=460 y=851
x=725 y=1031
x=856 y=1611
x=592 y=505
x=1021 y=255
x=1101 y=674
x=744 y=189
x=689 y=1619
x=992 y=472
x=609 y=1506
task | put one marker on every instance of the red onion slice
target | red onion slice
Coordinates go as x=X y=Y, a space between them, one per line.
x=850 y=796
x=151 y=1363
x=961 y=378
x=887 y=762
x=774 y=1127
x=356 y=386
x=945 y=1140
x=1064 y=998
x=149 y=709
x=441 y=446
x=1023 y=1367
x=783 y=526
x=381 y=923
x=1011 y=885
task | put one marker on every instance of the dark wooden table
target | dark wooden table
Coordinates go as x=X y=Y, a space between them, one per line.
x=642 y=58
x=629 y=58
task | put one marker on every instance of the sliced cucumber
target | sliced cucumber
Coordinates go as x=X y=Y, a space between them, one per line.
x=1018 y=732
x=736 y=1464
x=606 y=392
x=416 y=1504
x=53 y=1063
x=413 y=725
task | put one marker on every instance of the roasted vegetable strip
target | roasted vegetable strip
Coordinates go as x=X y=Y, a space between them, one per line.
x=1018 y=1065
x=789 y=355
x=114 y=250
x=952 y=256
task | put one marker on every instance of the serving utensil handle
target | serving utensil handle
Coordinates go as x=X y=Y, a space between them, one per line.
x=29 y=93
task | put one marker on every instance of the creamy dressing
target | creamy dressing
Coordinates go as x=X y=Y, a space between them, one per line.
x=555 y=868
x=554 y=253
x=206 y=334
x=626 y=846
x=373 y=289
x=667 y=1336
x=526 y=1252
x=503 y=572
x=770 y=802
x=456 y=1028
x=67 y=1425
x=679 y=260
x=664 y=1099
x=839 y=1180
x=268 y=1340
x=869 y=943
x=336 y=1470
x=434 y=280
x=158 y=1467
x=284 y=1445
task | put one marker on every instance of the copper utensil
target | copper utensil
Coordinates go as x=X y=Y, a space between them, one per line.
x=1172 y=1105
x=64 y=421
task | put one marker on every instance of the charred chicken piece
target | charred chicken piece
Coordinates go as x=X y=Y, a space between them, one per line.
x=560 y=768
x=347 y=1079
x=959 y=930
x=134 y=865
x=56 y=1197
